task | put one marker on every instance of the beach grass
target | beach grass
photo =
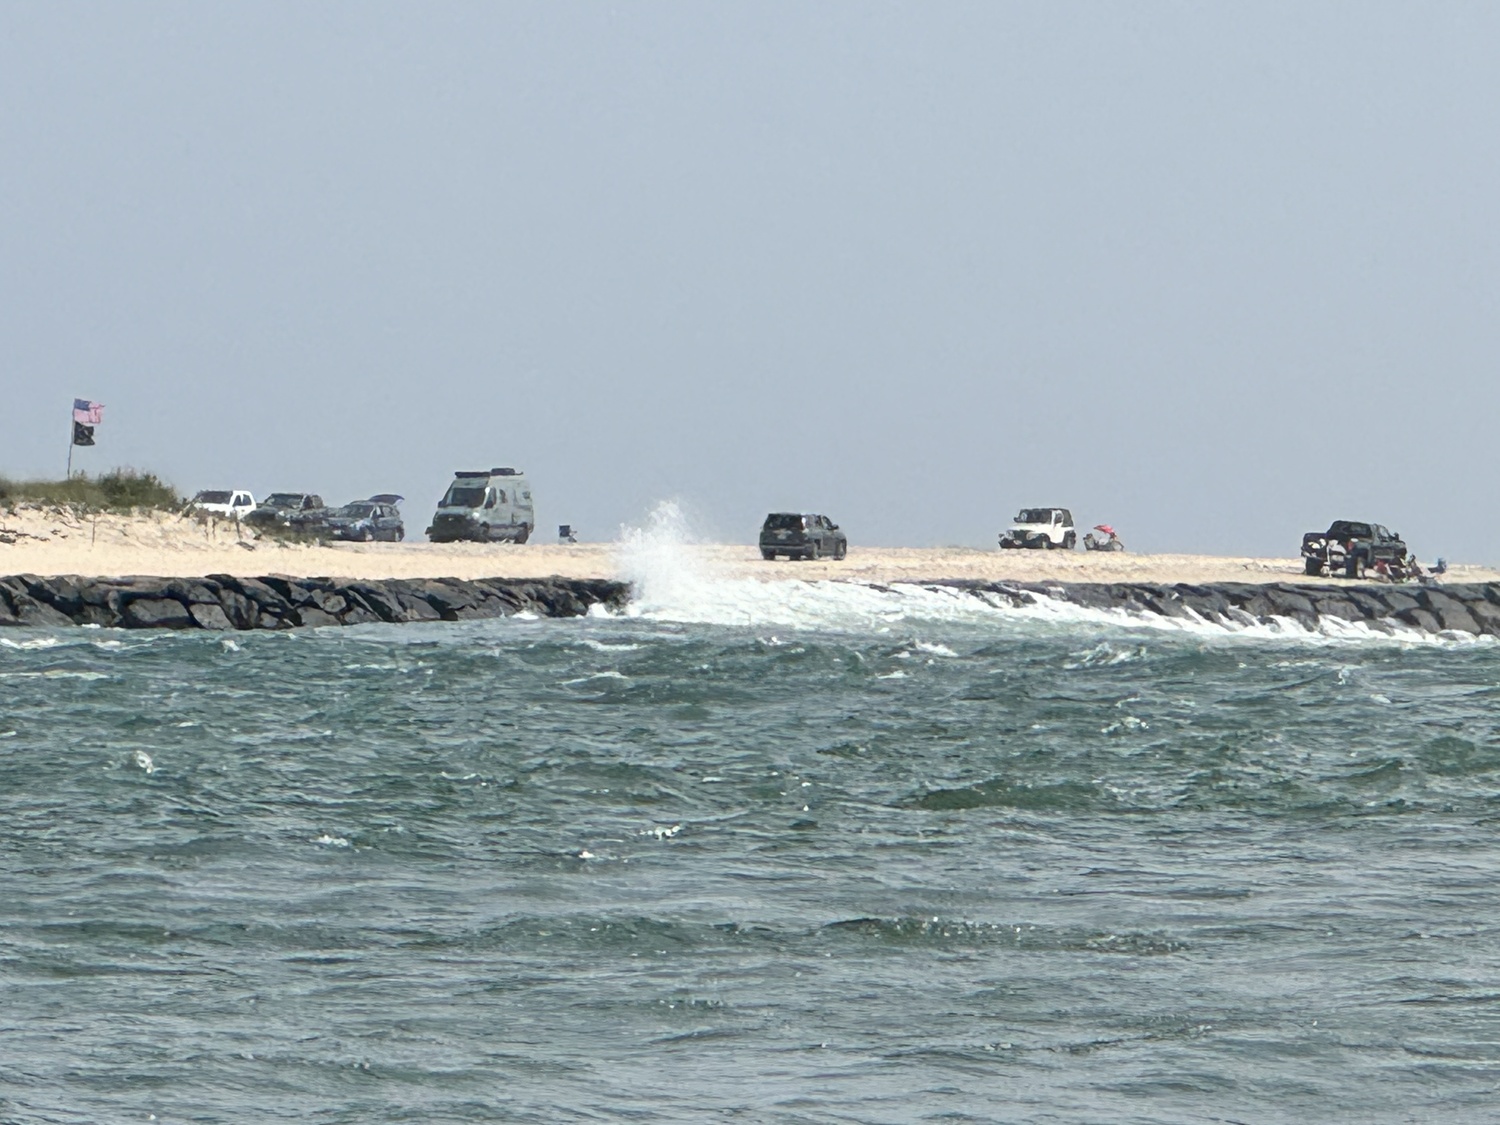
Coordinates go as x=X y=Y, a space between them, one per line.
x=119 y=490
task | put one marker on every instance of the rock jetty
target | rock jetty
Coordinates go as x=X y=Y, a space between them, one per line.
x=222 y=601
x=1461 y=608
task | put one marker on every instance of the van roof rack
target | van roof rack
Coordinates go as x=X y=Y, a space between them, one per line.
x=505 y=472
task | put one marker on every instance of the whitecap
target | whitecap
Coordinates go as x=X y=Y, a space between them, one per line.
x=601 y=646
x=54 y=674
x=933 y=648
x=331 y=841
x=609 y=675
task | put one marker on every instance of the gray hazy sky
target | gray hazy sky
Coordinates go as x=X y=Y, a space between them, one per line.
x=1214 y=273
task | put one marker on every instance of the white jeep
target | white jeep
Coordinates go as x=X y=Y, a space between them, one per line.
x=1041 y=528
x=231 y=503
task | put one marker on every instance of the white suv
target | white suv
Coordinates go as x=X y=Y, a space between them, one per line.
x=232 y=503
x=1041 y=528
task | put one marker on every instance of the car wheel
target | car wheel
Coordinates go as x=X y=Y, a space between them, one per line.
x=1313 y=568
x=812 y=552
x=1070 y=540
x=1355 y=567
x=843 y=550
x=400 y=534
x=524 y=534
x=1007 y=544
x=366 y=535
x=769 y=556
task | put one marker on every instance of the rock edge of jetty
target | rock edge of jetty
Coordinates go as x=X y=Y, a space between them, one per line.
x=225 y=602
x=1472 y=608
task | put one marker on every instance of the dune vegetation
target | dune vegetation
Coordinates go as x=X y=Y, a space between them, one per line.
x=119 y=490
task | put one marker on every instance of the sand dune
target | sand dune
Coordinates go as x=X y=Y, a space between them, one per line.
x=56 y=542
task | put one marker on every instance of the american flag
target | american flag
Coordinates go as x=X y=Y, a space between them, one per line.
x=88 y=413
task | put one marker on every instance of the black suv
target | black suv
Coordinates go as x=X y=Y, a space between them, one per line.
x=285 y=509
x=801 y=536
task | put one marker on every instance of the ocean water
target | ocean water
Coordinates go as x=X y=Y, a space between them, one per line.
x=783 y=852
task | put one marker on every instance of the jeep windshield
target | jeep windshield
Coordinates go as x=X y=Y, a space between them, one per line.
x=464 y=496
x=211 y=498
x=1034 y=515
x=283 y=500
x=783 y=521
x=1344 y=529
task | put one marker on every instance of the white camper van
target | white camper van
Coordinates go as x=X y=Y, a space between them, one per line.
x=485 y=505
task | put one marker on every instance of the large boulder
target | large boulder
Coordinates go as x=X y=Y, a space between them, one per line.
x=311 y=615
x=209 y=617
x=157 y=613
x=1450 y=612
x=374 y=599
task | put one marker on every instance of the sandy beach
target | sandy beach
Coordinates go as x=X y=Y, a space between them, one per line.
x=57 y=542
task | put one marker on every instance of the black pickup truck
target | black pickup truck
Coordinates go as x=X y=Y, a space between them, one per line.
x=1352 y=547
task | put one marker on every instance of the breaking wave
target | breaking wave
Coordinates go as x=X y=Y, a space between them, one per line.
x=675 y=586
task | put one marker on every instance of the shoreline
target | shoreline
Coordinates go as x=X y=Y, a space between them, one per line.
x=54 y=543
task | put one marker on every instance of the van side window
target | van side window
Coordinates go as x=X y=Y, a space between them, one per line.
x=489 y=497
x=501 y=493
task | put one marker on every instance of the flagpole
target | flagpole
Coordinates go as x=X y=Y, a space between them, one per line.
x=70 y=447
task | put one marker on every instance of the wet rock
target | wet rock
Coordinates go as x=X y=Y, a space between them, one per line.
x=222 y=601
x=447 y=598
x=329 y=602
x=29 y=611
x=1450 y=612
x=240 y=610
x=157 y=613
x=62 y=594
x=209 y=617
x=374 y=600
x=192 y=591
x=414 y=608
x=1419 y=619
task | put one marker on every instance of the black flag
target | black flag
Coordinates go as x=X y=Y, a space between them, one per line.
x=83 y=435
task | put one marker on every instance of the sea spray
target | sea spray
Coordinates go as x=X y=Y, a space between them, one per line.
x=663 y=570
